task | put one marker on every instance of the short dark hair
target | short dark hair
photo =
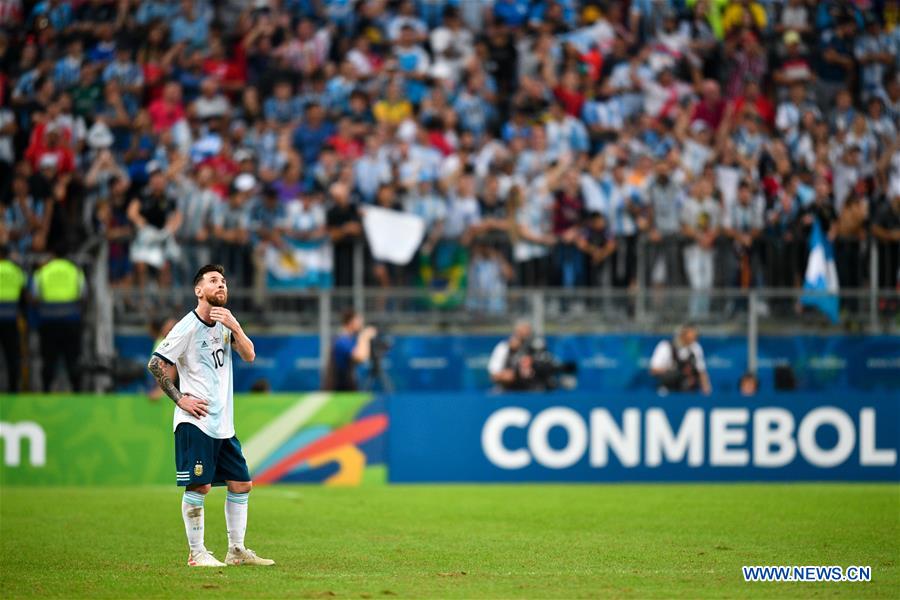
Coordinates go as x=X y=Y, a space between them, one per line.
x=347 y=316
x=208 y=269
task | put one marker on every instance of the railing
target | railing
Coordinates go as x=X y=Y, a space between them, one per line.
x=872 y=307
x=549 y=310
x=773 y=271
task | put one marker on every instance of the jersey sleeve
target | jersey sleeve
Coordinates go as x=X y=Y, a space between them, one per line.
x=174 y=346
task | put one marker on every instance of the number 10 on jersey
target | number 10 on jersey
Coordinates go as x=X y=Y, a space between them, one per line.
x=219 y=357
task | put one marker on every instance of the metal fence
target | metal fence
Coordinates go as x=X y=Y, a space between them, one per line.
x=550 y=310
x=657 y=295
x=871 y=308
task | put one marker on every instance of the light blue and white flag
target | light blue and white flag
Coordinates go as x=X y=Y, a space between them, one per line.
x=299 y=265
x=821 y=275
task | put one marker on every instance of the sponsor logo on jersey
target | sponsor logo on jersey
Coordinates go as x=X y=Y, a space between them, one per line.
x=204 y=345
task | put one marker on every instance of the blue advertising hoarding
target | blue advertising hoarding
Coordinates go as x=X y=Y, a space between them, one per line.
x=597 y=437
x=457 y=363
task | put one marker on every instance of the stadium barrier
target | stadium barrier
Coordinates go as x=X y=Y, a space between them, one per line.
x=614 y=437
x=351 y=439
x=336 y=439
x=612 y=362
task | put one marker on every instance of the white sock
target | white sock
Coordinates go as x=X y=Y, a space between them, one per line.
x=192 y=512
x=236 y=518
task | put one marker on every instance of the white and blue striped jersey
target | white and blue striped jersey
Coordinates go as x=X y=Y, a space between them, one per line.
x=201 y=352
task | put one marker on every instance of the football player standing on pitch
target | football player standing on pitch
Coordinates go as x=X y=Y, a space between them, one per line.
x=207 y=452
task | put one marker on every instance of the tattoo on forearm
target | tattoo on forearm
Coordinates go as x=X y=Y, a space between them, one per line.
x=158 y=368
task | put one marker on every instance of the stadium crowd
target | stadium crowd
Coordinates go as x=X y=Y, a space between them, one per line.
x=544 y=142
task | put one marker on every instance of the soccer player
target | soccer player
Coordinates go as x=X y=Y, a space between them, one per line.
x=207 y=453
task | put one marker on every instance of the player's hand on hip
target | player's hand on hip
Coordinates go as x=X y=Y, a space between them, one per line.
x=194 y=406
x=223 y=316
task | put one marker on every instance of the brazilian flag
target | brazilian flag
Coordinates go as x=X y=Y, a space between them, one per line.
x=442 y=274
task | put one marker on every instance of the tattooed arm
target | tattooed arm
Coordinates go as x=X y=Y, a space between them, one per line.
x=165 y=375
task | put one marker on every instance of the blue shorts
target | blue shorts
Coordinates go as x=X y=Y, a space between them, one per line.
x=201 y=460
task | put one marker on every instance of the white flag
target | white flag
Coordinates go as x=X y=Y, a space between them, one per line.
x=393 y=236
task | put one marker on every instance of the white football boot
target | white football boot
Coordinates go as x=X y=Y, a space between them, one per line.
x=246 y=556
x=203 y=558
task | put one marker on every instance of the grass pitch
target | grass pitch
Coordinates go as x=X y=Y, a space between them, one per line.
x=624 y=541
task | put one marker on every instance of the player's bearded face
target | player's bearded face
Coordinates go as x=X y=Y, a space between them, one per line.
x=217 y=296
x=214 y=291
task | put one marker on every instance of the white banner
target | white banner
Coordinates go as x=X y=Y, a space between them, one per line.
x=393 y=236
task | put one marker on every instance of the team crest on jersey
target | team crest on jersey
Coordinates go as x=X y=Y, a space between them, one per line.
x=198 y=469
x=225 y=338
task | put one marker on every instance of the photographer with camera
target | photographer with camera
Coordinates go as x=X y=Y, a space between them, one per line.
x=678 y=364
x=352 y=348
x=522 y=363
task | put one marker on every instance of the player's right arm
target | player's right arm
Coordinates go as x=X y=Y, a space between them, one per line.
x=162 y=365
x=165 y=376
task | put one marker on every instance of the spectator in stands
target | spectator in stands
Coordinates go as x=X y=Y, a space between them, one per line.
x=596 y=241
x=849 y=232
x=8 y=129
x=231 y=228
x=305 y=95
x=267 y=219
x=742 y=223
x=625 y=206
x=489 y=273
x=197 y=201
x=345 y=228
x=874 y=52
x=310 y=137
x=569 y=213
x=156 y=219
x=700 y=222
x=118 y=230
x=24 y=221
x=793 y=66
x=664 y=202
x=886 y=231
x=836 y=62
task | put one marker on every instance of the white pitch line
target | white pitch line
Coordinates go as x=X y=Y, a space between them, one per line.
x=277 y=432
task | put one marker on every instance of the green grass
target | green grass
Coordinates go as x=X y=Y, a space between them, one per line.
x=624 y=541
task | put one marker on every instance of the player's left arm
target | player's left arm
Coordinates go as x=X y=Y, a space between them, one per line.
x=240 y=341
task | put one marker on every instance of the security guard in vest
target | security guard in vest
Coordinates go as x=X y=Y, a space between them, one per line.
x=12 y=282
x=58 y=288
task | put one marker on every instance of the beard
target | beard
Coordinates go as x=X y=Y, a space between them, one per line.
x=214 y=300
